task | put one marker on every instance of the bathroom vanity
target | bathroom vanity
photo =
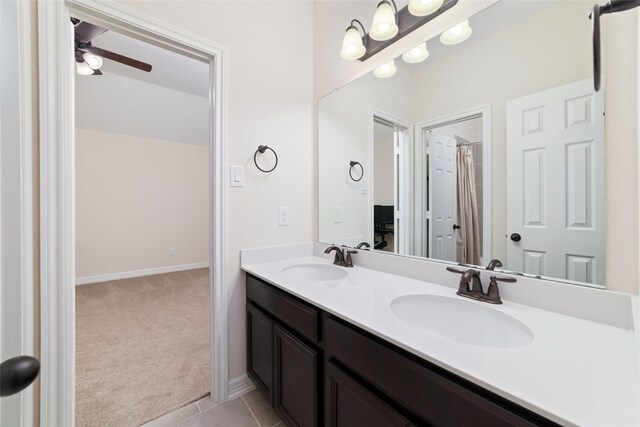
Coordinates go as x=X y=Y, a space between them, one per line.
x=333 y=346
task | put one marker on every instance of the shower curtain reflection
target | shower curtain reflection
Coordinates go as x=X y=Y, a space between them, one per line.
x=468 y=236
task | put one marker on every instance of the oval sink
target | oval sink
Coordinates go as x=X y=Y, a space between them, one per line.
x=462 y=321
x=316 y=272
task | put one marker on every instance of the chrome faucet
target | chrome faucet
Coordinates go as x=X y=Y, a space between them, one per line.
x=340 y=258
x=472 y=277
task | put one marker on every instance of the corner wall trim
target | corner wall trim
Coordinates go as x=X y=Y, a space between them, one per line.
x=239 y=386
x=139 y=273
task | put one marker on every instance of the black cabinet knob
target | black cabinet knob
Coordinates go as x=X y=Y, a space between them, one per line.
x=516 y=237
x=17 y=373
x=456 y=227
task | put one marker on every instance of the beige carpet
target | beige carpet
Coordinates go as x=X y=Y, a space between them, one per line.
x=142 y=347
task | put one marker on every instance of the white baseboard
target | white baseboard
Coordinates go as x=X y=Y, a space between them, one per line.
x=239 y=386
x=139 y=273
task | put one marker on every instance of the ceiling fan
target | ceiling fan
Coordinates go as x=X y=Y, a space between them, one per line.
x=89 y=58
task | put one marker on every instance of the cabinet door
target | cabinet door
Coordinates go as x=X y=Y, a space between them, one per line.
x=347 y=403
x=260 y=351
x=296 y=388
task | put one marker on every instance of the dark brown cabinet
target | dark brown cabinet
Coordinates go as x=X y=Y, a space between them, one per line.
x=317 y=369
x=260 y=350
x=296 y=380
x=347 y=404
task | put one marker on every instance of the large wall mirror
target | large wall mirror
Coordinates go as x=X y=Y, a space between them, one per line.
x=490 y=148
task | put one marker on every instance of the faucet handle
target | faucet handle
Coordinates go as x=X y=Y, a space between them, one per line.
x=348 y=262
x=494 y=279
x=455 y=270
x=493 y=293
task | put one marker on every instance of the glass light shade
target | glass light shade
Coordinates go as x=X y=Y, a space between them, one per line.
x=83 y=68
x=352 y=47
x=456 y=34
x=94 y=61
x=424 y=7
x=384 y=23
x=417 y=54
x=386 y=70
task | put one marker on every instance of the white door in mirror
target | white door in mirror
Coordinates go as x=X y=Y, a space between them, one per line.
x=555 y=183
x=443 y=197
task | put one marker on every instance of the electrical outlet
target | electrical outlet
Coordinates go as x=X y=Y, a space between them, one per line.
x=336 y=215
x=284 y=215
x=172 y=252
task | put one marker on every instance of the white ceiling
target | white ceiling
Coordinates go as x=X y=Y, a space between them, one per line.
x=169 y=103
x=170 y=69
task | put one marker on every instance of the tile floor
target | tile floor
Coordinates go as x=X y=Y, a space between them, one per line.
x=248 y=410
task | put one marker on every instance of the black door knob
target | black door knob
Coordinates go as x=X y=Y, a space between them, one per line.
x=17 y=373
x=456 y=227
x=516 y=237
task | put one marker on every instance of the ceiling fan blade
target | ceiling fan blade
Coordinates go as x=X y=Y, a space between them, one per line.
x=85 y=32
x=120 y=58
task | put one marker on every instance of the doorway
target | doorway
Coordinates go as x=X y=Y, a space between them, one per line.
x=454 y=186
x=141 y=228
x=58 y=144
x=390 y=147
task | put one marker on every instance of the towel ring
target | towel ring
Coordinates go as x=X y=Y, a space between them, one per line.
x=261 y=149
x=351 y=165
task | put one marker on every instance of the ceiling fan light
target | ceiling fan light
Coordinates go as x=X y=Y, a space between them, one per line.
x=424 y=7
x=352 y=46
x=417 y=54
x=94 y=61
x=456 y=34
x=386 y=70
x=83 y=68
x=384 y=25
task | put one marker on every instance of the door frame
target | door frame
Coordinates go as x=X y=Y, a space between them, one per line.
x=57 y=192
x=421 y=151
x=25 y=336
x=405 y=185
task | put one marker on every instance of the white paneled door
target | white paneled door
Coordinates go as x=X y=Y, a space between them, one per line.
x=442 y=191
x=555 y=183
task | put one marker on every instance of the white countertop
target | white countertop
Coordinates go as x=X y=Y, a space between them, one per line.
x=575 y=372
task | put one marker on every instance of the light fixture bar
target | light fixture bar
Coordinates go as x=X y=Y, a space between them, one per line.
x=407 y=23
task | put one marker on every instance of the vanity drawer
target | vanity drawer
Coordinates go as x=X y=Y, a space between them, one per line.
x=432 y=397
x=294 y=313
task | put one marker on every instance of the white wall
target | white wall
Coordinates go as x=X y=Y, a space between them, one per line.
x=383 y=159
x=115 y=103
x=269 y=87
x=135 y=199
x=620 y=76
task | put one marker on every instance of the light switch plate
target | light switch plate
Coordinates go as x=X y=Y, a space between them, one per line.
x=284 y=215
x=237 y=176
x=364 y=187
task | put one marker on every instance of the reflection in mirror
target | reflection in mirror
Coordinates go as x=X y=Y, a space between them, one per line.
x=490 y=148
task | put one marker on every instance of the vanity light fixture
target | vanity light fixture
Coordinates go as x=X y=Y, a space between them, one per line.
x=417 y=54
x=389 y=25
x=456 y=34
x=385 y=21
x=386 y=70
x=352 y=45
x=424 y=7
